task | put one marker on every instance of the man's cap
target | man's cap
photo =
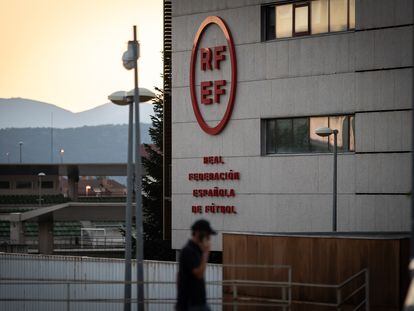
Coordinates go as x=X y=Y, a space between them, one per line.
x=204 y=226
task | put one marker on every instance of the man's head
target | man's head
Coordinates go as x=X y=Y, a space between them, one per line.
x=202 y=230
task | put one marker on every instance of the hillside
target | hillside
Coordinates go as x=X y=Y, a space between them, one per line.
x=23 y=113
x=104 y=143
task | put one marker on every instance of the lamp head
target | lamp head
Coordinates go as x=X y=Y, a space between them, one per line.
x=121 y=98
x=41 y=174
x=125 y=98
x=144 y=94
x=324 y=131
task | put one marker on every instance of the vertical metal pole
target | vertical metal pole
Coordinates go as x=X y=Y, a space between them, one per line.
x=51 y=138
x=338 y=299
x=138 y=185
x=234 y=297
x=290 y=286
x=335 y=177
x=68 y=297
x=40 y=191
x=412 y=167
x=20 y=146
x=128 y=216
x=367 y=290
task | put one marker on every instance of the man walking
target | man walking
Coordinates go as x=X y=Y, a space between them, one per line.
x=192 y=266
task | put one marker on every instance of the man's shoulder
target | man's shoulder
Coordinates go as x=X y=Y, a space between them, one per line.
x=188 y=248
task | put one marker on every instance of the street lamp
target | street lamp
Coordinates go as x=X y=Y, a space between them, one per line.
x=8 y=157
x=123 y=98
x=20 y=149
x=40 y=175
x=61 y=152
x=326 y=132
x=87 y=189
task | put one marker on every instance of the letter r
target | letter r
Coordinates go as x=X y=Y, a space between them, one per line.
x=205 y=59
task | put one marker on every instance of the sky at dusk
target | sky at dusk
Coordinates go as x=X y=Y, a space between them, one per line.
x=68 y=52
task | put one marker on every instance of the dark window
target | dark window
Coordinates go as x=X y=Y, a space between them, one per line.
x=23 y=184
x=269 y=23
x=4 y=185
x=299 y=18
x=297 y=135
x=47 y=184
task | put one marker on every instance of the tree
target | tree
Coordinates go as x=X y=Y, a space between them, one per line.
x=152 y=182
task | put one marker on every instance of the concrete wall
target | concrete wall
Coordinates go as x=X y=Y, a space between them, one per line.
x=367 y=72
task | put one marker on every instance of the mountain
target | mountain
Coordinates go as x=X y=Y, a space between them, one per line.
x=23 y=113
x=103 y=143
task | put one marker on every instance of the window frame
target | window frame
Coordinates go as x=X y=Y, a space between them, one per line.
x=20 y=183
x=264 y=136
x=297 y=3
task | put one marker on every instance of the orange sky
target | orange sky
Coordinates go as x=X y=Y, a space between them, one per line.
x=68 y=52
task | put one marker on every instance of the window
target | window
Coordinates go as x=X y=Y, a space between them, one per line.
x=338 y=15
x=319 y=18
x=284 y=21
x=297 y=135
x=299 y=18
x=23 y=184
x=47 y=184
x=4 y=185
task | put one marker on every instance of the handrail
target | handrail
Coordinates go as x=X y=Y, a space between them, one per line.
x=352 y=277
x=236 y=298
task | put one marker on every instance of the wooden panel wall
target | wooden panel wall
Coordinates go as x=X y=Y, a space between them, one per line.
x=324 y=260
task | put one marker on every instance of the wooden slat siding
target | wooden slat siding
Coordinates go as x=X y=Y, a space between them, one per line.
x=323 y=260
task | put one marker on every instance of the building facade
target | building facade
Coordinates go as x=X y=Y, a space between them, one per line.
x=251 y=82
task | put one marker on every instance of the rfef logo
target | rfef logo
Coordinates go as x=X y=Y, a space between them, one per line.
x=210 y=60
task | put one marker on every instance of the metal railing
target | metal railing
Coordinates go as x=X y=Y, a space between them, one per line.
x=236 y=292
x=342 y=300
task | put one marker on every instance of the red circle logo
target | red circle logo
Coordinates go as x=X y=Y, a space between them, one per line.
x=218 y=87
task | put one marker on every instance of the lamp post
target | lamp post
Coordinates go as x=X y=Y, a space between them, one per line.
x=8 y=157
x=20 y=150
x=40 y=175
x=326 y=132
x=61 y=152
x=123 y=98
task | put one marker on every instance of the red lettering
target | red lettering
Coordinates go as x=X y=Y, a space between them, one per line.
x=218 y=57
x=218 y=91
x=205 y=59
x=205 y=92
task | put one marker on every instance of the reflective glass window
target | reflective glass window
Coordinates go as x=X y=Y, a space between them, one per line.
x=318 y=144
x=284 y=135
x=339 y=123
x=301 y=19
x=271 y=136
x=351 y=14
x=319 y=18
x=270 y=23
x=338 y=11
x=284 y=21
x=351 y=133
x=298 y=135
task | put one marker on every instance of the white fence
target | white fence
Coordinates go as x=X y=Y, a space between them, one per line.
x=24 y=296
